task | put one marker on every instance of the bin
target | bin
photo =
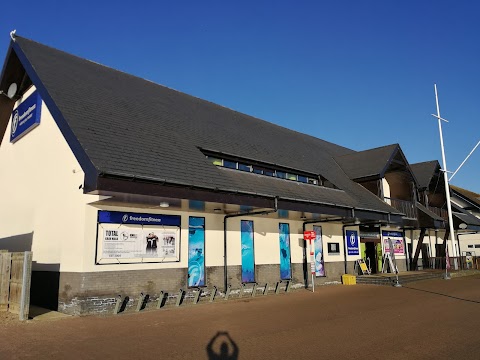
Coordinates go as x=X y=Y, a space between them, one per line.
x=349 y=279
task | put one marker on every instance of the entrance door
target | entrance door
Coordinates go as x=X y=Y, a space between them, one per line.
x=371 y=256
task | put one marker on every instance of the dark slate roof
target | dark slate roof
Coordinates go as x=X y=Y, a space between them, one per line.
x=129 y=126
x=469 y=195
x=424 y=172
x=363 y=164
x=465 y=216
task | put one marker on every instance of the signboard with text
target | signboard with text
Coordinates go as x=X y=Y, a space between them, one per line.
x=351 y=241
x=396 y=238
x=26 y=117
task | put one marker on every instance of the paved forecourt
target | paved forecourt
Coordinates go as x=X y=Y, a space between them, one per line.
x=432 y=319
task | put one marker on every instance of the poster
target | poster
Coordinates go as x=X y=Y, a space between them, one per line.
x=319 y=265
x=130 y=241
x=285 y=265
x=351 y=240
x=248 y=258
x=196 y=251
x=397 y=240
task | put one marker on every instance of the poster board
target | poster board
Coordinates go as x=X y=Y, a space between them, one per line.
x=397 y=240
x=135 y=239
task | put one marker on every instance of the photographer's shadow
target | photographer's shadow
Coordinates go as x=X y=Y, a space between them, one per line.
x=228 y=348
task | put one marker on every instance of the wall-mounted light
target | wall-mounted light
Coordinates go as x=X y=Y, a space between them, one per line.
x=12 y=90
x=217 y=210
x=164 y=204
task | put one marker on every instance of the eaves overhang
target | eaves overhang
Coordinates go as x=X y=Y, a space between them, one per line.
x=107 y=184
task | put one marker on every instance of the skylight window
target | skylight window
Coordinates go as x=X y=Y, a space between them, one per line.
x=267 y=170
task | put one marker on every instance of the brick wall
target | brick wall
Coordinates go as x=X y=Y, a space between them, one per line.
x=96 y=292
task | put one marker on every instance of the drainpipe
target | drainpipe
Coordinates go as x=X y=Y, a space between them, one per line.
x=305 y=262
x=263 y=212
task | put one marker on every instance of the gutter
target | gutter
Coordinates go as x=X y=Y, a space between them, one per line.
x=263 y=212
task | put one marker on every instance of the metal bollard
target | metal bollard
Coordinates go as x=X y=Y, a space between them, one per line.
x=277 y=287
x=265 y=291
x=214 y=293
x=140 y=301
x=197 y=296
x=161 y=296
x=179 y=297
x=227 y=294
x=254 y=290
x=118 y=304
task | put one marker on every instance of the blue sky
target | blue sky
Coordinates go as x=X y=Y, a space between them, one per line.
x=356 y=73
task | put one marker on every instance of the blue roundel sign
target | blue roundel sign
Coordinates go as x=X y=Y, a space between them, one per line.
x=351 y=240
x=26 y=116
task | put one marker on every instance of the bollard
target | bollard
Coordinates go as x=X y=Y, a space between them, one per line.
x=265 y=291
x=254 y=290
x=227 y=294
x=179 y=297
x=197 y=296
x=277 y=287
x=140 y=302
x=161 y=296
x=214 y=293
x=118 y=303
x=242 y=288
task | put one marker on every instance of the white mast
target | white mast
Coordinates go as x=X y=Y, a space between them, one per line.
x=447 y=187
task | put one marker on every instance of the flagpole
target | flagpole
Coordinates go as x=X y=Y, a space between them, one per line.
x=447 y=189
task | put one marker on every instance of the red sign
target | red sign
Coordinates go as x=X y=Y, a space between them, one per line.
x=309 y=235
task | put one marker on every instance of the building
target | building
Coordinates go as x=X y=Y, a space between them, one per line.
x=120 y=186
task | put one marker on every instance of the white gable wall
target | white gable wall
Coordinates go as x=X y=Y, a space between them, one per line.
x=40 y=197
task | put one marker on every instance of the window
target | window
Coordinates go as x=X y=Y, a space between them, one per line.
x=267 y=170
x=244 y=167
x=229 y=164
x=470 y=246
x=302 y=179
x=281 y=174
x=333 y=248
x=477 y=246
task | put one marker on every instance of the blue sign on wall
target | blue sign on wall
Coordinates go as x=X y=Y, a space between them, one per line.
x=118 y=217
x=285 y=260
x=26 y=116
x=351 y=239
x=196 y=251
x=248 y=256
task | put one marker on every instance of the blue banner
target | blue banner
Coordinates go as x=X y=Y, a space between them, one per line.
x=26 y=116
x=248 y=257
x=351 y=239
x=285 y=264
x=319 y=267
x=118 y=217
x=196 y=251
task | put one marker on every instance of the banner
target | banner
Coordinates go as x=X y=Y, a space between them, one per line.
x=319 y=266
x=119 y=217
x=285 y=265
x=397 y=241
x=351 y=240
x=130 y=242
x=248 y=257
x=196 y=251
